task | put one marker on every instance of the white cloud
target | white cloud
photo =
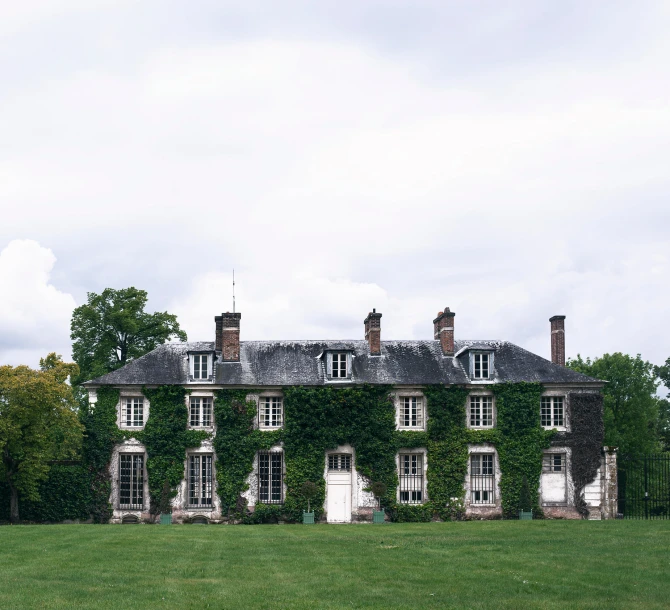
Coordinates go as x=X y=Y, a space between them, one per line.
x=34 y=314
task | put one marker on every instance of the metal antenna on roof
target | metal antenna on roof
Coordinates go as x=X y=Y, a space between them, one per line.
x=233 y=290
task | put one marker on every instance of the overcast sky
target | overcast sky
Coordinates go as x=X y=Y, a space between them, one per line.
x=510 y=160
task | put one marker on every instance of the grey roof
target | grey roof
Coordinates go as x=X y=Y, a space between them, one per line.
x=283 y=363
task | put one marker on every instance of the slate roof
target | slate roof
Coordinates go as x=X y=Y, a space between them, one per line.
x=283 y=363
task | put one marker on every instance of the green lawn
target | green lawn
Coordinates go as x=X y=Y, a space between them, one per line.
x=496 y=564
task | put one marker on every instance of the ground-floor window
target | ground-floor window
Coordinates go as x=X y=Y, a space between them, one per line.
x=131 y=481
x=270 y=477
x=339 y=461
x=200 y=481
x=482 y=478
x=411 y=478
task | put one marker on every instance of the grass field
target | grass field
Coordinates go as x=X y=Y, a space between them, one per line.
x=498 y=564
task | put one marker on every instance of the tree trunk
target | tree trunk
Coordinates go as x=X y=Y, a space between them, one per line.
x=13 y=504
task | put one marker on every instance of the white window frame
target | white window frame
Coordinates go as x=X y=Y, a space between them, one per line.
x=135 y=487
x=191 y=364
x=340 y=357
x=485 y=448
x=476 y=355
x=200 y=483
x=422 y=462
x=262 y=415
x=401 y=398
x=201 y=398
x=479 y=397
x=122 y=411
x=551 y=399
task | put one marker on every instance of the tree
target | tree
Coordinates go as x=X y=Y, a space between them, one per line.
x=664 y=407
x=38 y=424
x=630 y=403
x=112 y=329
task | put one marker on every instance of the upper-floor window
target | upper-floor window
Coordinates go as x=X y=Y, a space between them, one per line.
x=481 y=411
x=481 y=365
x=201 y=366
x=339 y=365
x=270 y=412
x=552 y=413
x=411 y=412
x=132 y=411
x=200 y=415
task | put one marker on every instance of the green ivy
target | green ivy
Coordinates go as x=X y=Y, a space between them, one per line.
x=166 y=438
x=520 y=440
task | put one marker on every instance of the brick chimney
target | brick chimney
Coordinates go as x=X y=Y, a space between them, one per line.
x=228 y=336
x=443 y=327
x=373 y=332
x=558 y=339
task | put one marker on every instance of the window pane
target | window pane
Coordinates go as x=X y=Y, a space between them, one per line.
x=482 y=479
x=206 y=411
x=195 y=412
x=558 y=411
x=411 y=478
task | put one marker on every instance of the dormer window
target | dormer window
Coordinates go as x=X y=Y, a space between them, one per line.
x=481 y=365
x=339 y=365
x=200 y=367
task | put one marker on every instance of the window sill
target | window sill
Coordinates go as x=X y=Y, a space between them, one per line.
x=269 y=428
x=481 y=427
x=200 y=508
x=557 y=428
x=412 y=428
x=202 y=428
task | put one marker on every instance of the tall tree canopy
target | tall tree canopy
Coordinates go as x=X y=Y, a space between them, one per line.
x=630 y=401
x=112 y=329
x=664 y=407
x=38 y=424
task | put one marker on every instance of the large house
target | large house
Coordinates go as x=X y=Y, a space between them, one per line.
x=568 y=403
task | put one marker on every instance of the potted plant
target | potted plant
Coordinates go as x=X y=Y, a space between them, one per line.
x=164 y=505
x=309 y=490
x=378 y=490
x=525 y=505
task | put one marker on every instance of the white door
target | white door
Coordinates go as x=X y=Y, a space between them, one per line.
x=553 y=483
x=338 y=505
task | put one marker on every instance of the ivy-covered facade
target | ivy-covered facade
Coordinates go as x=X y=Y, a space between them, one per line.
x=229 y=431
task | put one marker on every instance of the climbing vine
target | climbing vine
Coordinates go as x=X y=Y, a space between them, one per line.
x=166 y=438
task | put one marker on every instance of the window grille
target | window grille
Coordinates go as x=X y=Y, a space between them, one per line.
x=339 y=367
x=482 y=478
x=131 y=481
x=481 y=366
x=481 y=411
x=551 y=412
x=200 y=481
x=270 y=477
x=411 y=478
x=271 y=412
x=553 y=462
x=411 y=412
x=200 y=366
x=201 y=411
x=134 y=412
x=339 y=461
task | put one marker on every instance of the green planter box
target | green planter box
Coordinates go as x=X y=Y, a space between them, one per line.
x=308 y=518
x=166 y=519
x=525 y=515
x=378 y=516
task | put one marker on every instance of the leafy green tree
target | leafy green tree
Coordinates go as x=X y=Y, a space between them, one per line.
x=112 y=329
x=664 y=407
x=630 y=402
x=38 y=424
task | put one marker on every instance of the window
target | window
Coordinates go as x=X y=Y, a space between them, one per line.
x=270 y=414
x=480 y=365
x=270 y=477
x=339 y=461
x=411 y=478
x=133 y=412
x=201 y=412
x=411 y=412
x=200 y=481
x=482 y=478
x=200 y=366
x=551 y=412
x=131 y=481
x=481 y=411
x=339 y=366
x=553 y=462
